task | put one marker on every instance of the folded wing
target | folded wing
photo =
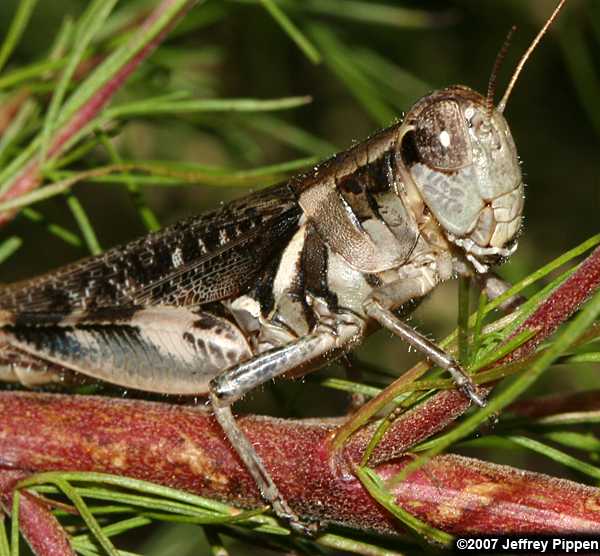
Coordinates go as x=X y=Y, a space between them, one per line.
x=200 y=260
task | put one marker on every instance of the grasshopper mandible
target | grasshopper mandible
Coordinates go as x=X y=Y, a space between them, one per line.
x=289 y=278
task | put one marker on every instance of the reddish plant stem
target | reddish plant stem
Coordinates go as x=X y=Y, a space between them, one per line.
x=543 y=406
x=559 y=306
x=39 y=527
x=184 y=448
x=31 y=177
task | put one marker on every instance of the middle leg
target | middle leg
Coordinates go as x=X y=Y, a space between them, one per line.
x=230 y=386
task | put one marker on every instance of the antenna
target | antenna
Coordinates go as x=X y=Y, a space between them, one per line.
x=491 y=90
x=525 y=57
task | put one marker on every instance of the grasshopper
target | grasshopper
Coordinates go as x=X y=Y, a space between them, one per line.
x=289 y=278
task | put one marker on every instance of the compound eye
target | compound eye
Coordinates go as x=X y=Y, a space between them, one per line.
x=441 y=137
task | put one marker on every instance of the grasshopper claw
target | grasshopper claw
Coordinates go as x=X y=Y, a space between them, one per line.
x=468 y=389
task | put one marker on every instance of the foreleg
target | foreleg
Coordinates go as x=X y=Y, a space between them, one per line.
x=379 y=307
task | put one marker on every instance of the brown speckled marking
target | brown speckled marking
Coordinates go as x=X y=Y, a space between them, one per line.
x=592 y=504
x=192 y=455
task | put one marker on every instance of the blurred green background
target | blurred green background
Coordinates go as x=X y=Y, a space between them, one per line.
x=376 y=60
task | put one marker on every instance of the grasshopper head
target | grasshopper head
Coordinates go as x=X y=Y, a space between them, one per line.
x=461 y=157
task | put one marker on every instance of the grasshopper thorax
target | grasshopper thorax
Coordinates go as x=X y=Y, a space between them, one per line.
x=461 y=157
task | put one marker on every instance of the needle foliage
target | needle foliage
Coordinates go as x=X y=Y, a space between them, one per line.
x=241 y=94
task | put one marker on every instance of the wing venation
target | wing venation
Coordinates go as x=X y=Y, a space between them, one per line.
x=200 y=260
